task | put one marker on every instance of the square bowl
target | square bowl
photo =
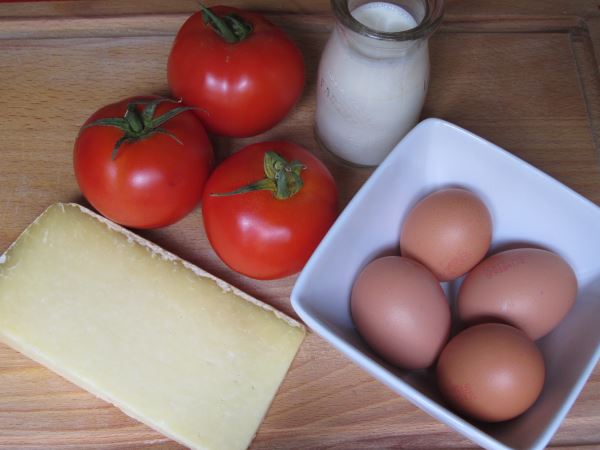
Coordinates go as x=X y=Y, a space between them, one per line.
x=527 y=207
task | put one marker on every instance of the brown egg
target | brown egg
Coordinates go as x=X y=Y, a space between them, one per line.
x=491 y=372
x=401 y=311
x=529 y=288
x=449 y=231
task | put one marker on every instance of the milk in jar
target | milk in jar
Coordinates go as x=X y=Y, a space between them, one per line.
x=372 y=79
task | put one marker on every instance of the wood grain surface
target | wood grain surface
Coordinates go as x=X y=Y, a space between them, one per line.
x=523 y=75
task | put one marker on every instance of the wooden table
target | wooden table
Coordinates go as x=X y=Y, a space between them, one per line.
x=521 y=74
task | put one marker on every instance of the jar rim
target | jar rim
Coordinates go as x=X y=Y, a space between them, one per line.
x=434 y=12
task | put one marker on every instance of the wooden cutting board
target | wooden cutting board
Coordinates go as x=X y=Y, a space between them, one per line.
x=523 y=76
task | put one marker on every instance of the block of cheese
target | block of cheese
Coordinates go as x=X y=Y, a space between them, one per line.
x=164 y=341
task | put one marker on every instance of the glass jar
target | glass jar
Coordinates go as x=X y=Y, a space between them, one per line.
x=373 y=76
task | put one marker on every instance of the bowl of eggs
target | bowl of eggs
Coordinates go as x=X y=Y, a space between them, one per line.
x=468 y=282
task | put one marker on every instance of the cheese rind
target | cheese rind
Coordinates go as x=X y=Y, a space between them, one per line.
x=161 y=339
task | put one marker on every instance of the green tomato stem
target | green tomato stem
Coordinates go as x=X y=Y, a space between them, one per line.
x=137 y=126
x=231 y=27
x=282 y=178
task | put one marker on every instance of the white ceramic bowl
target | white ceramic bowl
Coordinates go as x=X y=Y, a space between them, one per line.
x=527 y=207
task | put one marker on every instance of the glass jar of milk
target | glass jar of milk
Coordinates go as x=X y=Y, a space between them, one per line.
x=373 y=76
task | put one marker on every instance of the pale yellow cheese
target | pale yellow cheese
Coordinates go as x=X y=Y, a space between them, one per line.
x=164 y=341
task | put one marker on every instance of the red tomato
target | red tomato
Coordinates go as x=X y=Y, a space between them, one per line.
x=257 y=234
x=241 y=88
x=153 y=181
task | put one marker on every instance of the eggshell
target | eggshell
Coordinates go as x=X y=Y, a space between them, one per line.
x=491 y=372
x=401 y=311
x=449 y=231
x=529 y=288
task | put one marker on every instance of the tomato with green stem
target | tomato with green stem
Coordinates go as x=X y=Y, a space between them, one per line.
x=267 y=207
x=143 y=161
x=242 y=72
